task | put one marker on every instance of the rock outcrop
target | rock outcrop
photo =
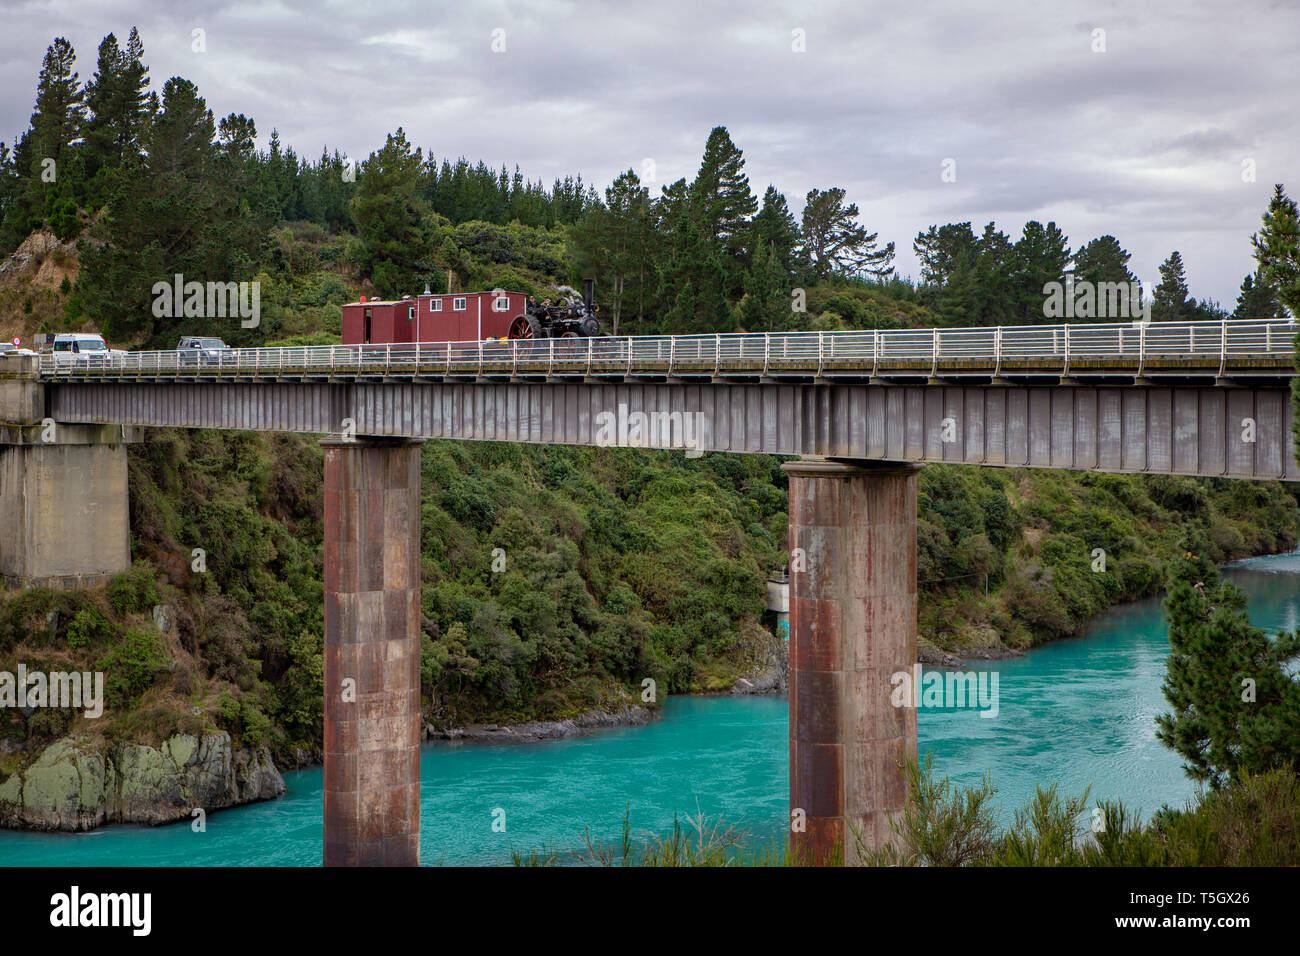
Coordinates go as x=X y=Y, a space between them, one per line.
x=70 y=787
x=770 y=669
x=34 y=251
x=927 y=653
x=585 y=722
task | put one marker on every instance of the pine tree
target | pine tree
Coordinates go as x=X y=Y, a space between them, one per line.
x=775 y=229
x=1169 y=300
x=631 y=240
x=722 y=205
x=42 y=157
x=613 y=241
x=939 y=247
x=1205 y=310
x=1277 y=249
x=116 y=99
x=1235 y=706
x=391 y=218
x=103 y=93
x=692 y=279
x=1041 y=257
x=1257 y=300
x=1103 y=263
x=60 y=111
x=958 y=302
x=836 y=242
x=765 y=306
x=181 y=210
x=324 y=191
x=1102 y=260
x=9 y=182
x=994 y=265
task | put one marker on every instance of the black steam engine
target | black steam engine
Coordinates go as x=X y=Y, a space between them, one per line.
x=566 y=319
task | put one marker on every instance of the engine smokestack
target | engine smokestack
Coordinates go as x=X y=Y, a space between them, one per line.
x=587 y=286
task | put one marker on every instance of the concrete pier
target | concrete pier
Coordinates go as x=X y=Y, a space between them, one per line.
x=64 y=515
x=372 y=652
x=852 y=626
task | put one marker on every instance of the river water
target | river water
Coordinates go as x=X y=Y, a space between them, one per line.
x=1078 y=712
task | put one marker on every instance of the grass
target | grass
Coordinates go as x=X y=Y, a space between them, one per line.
x=1253 y=822
x=702 y=841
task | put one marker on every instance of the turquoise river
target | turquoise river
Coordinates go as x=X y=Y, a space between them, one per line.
x=1077 y=712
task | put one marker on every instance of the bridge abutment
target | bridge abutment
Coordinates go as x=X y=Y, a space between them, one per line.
x=852 y=626
x=372 y=652
x=64 y=516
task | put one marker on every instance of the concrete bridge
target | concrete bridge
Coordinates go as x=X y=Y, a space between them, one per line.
x=864 y=410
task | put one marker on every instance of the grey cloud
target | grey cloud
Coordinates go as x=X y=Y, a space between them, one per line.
x=1143 y=141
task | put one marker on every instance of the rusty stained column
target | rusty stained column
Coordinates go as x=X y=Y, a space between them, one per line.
x=372 y=639
x=852 y=626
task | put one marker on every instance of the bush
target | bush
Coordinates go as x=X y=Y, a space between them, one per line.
x=1139 y=577
x=941 y=824
x=1227 y=539
x=135 y=589
x=256 y=724
x=129 y=667
x=1045 y=832
x=88 y=628
x=464 y=501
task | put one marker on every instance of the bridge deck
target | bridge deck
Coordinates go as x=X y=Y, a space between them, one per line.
x=1110 y=352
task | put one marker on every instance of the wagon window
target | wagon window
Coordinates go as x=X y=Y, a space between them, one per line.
x=435 y=305
x=410 y=313
x=502 y=304
x=458 y=305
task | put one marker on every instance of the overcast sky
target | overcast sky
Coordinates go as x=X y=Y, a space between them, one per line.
x=1145 y=140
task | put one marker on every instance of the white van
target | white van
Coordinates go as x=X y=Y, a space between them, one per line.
x=77 y=347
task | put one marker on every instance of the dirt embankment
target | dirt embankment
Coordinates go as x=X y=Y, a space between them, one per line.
x=31 y=286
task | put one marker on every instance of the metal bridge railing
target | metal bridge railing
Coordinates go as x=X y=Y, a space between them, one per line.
x=1126 y=348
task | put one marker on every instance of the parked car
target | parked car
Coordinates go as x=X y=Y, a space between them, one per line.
x=200 y=349
x=8 y=348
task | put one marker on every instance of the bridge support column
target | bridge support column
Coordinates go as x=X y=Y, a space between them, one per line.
x=64 y=516
x=372 y=652
x=852 y=626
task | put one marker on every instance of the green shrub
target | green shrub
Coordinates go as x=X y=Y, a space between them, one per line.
x=1045 y=832
x=256 y=724
x=88 y=628
x=941 y=825
x=135 y=589
x=129 y=667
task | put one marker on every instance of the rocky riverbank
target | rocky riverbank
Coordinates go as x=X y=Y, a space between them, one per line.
x=631 y=715
x=74 y=786
x=771 y=674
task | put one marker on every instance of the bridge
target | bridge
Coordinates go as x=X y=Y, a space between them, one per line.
x=1226 y=351
x=863 y=410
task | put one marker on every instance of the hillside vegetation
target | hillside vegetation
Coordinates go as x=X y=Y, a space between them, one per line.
x=616 y=565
